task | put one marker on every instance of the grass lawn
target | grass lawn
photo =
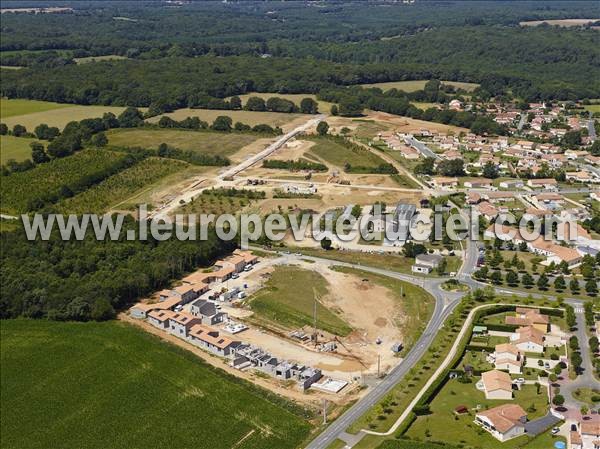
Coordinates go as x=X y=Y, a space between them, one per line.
x=477 y=360
x=16 y=148
x=52 y=114
x=208 y=142
x=111 y=385
x=248 y=117
x=587 y=395
x=337 y=154
x=368 y=129
x=424 y=106
x=414 y=85
x=12 y=107
x=443 y=425
x=592 y=107
x=288 y=300
x=416 y=304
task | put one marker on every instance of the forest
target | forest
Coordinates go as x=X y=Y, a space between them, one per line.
x=91 y=279
x=198 y=54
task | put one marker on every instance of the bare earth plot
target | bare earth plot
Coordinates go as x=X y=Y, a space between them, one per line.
x=283 y=120
x=208 y=142
x=560 y=22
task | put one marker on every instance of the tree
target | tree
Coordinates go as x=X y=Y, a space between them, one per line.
x=322 y=128
x=411 y=249
x=334 y=110
x=527 y=280
x=235 y=102
x=255 y=104
x=496 y=277
x=588 y=309
x=102 y=310
x=99 y=140
x=222 y=123
x=38 y=155
x=574 y=286
x=3 y=129
x=490 y=170
x=130 y=118
x=451 y=167
x=512 y=278
x=593 y=343
x=350 y=107
x=558 y=400
x=326 y=244
x=19 y=130
x=426 y=167
x=43 y=131
x=309 y=106
x=591 y=287
x=559 y=283
x=542 y=282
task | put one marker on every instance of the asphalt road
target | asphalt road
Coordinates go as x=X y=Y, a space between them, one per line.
x=421 y=147
x=591 y=128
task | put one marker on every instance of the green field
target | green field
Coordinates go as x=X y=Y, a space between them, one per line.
x=17 y=148
x=98 y=59
x=414 y=85
x=118 y=188
x=288 y=299
x=592 y=107
x=111 y=385
x=13 y=107
x=223 y=144
x=338 y=154
x=248 y=117
x=31 y=113
x=442 y=424
x=22 y=191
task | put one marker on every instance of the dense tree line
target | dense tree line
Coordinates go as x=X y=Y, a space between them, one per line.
x=301 y=164
x=90 y=279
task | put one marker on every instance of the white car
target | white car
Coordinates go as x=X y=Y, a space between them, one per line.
x=555 y=430
x=520 y=380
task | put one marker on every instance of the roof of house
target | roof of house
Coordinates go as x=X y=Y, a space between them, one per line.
x=163 y=305
x=496 y=380
x=210 y=335
x=562 y=252
x=590 y=428
x=527 y=317
x=543 y=181
x=161 y=315
x=530 y=334
x=206 y=308
x=575 y=438
x=509 y=361
x=248 y=256
x=505 y=417
x=182 y=318
x=507 y=347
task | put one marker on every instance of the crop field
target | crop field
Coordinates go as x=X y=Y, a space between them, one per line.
x=31 y=113
x=443 y=426
x=248 y=117
x=215 y=204
x=19 y=192
x=131 y=390
x=288 y=300
x=207 y=142
x=16 y=148
x=414 y=85
x=114 y=189
x=15 y=107
x=335 y=153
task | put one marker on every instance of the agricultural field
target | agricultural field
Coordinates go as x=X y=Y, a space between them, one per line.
x=132 y=390
x=31 y=113
x=443 y=425
x=324 y=106
x=16 y=107
x=288 y=299
x=215 y=204
x=248 y=117
x=414 y=85
x=89 y=59
x=17 y=148
x=207 y=142
x=46 y=183
x=117 y=188
x=592 y=108
x=335 y=153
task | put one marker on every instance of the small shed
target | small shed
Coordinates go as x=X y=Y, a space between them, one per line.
x=397 y=347
x=461 y=410
x=480 y=330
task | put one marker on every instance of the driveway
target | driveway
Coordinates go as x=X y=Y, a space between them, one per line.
x=542 y=424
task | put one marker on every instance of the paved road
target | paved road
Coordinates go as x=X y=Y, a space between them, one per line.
x=591 y=128
x=522 y=121
x=270 y=149
x=421 y=147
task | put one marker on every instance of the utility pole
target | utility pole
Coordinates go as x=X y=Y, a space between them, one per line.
x=378 y=365
x=324 y=411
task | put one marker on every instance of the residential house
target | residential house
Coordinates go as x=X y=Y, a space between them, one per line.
x=528 y=339
x=160 y=318
x=443 y=182
x=545 y=183
x=487 y=210
x=507 y=357
x=497 y=385
x=503 y=422
x=207 y=312
x=529 y=317
x=478 y=183
x=141 y=310
x=587 y=435
x=212 y=340
x=180 y=324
